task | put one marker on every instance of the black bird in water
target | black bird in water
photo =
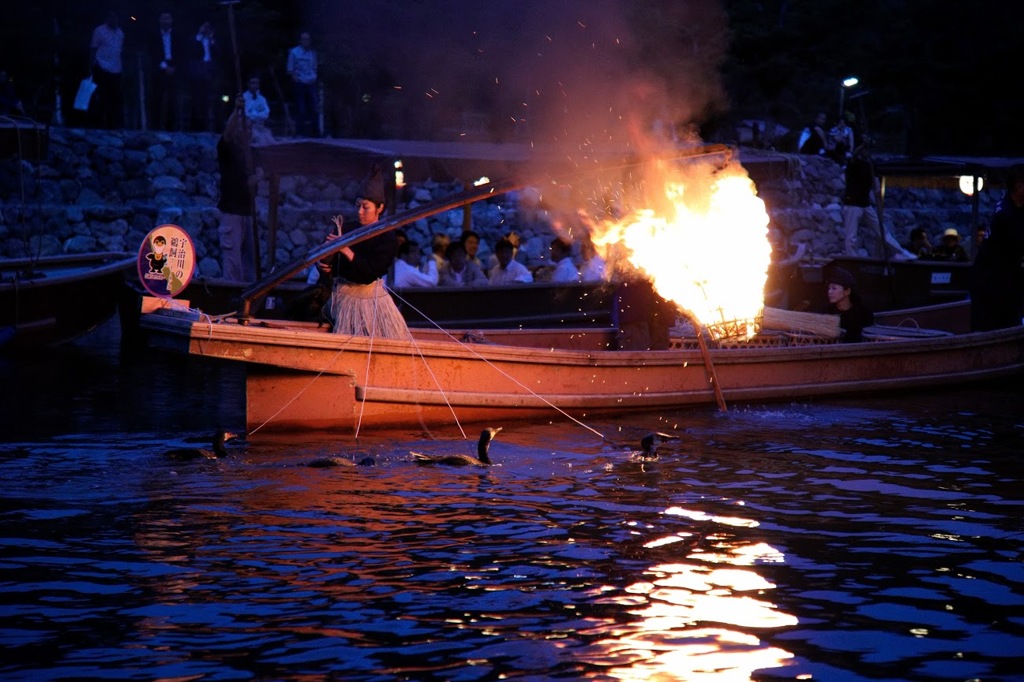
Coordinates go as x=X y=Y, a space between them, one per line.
x=649 y=444
x=187 y=454
x=328 y=462
x=455 y=459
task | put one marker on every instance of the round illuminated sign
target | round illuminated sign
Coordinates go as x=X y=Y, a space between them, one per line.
x=167 y=260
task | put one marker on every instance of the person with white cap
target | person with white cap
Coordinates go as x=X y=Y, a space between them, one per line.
x=950 y=249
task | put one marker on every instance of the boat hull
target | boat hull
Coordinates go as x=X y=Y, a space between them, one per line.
x=299 y=377
x=62 y=299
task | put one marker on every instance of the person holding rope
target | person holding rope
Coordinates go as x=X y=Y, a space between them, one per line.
x=359 y=303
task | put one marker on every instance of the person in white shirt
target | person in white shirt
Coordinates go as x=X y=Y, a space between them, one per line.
x=302 y=68
x=408 y=272
x=561 y=255
x=459 y=271
x=508 y=270
x=594 y=267
x=438 y=247
x=257 y=111
x=107 y=47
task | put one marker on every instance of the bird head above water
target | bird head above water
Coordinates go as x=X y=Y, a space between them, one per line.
x=459 y=459
x=649 y=443
x=218 y=450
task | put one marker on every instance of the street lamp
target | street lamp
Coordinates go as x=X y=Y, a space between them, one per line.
x=848 y=82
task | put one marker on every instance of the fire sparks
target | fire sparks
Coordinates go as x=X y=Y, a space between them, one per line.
x=707 y=250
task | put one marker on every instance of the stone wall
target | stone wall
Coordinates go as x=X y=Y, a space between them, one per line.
x=105 y=190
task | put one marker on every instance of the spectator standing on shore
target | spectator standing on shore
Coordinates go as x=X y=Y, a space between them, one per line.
x=168 y=60
x=997 y=277
x=841 y=140
x=203 y=77
x=257 y=110
x=106 y=50
x=302 y=67
x=813 y=139
x=859 y=204
x=237 y=181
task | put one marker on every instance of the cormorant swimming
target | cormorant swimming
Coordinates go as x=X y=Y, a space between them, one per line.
x=455 y=459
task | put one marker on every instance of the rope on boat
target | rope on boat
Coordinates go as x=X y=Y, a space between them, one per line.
x=492 y=366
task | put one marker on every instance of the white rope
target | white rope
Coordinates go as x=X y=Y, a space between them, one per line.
x=492 y=366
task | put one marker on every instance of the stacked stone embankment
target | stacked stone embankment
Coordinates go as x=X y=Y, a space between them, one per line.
x=105 y=190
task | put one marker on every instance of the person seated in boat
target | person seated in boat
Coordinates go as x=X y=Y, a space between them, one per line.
x=565 y=271
x=438 y=245
x=458 y=271
x=844 y=301
x=949 y=249
x=593 y=267
x=508 y=270
x=360 y=304
x=471 y=243
x=492 y=260
x=919 y=244
x=410 y=271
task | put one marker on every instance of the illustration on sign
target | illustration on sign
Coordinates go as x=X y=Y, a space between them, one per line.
x=167 y=260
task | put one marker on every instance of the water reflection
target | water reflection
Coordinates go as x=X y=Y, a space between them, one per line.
x=852 y=541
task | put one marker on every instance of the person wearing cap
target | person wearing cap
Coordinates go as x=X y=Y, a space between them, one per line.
x=949 y=249
x=844 y=302
x=360 y=304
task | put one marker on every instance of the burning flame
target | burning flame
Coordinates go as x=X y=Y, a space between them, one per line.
x=710 y=256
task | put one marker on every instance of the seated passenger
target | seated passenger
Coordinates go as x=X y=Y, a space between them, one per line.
x=844 y=302
x=593 y=269
x=561 y=255
x=458 y=271
x=408 y=270
x=919 y=245
x=507 y=270
x=949 y=249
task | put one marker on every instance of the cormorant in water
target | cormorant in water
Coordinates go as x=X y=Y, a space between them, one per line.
x=187 y=454
x=481 y=459
x=649 y=444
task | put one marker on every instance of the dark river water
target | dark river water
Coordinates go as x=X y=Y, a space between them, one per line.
x=871 y=539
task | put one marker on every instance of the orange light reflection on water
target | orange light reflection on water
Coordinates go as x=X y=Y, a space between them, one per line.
x=697 y=618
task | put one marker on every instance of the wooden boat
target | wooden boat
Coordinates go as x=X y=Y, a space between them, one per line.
x=52 y=300
x=882 y=284
x=300 y=375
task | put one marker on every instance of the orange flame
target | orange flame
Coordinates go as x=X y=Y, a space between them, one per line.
x=711 y=255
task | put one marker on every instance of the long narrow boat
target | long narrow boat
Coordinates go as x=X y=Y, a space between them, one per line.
x=52 y=300
x=301 y=376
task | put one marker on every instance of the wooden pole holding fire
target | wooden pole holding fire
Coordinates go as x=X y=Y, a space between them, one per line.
x=705 y=355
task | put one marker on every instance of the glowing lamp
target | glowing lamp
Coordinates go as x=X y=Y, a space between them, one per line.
x=967 y=184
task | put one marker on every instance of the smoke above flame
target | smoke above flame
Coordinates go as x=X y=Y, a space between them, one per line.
x=705 y=247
